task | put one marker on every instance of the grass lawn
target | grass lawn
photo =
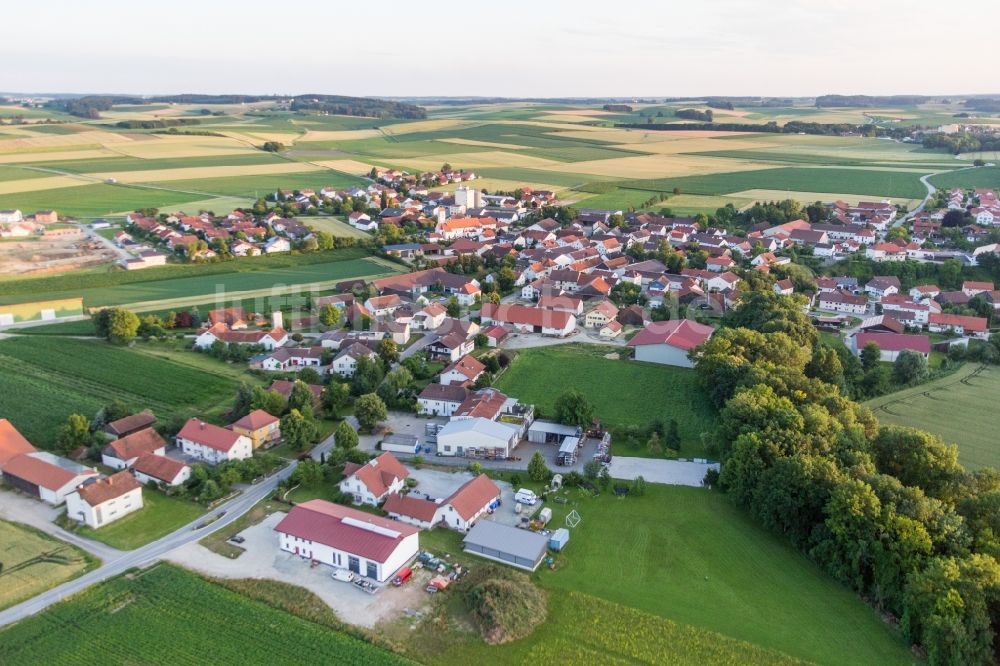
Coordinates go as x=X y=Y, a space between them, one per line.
x=160 y=515
x=968 y=397
x=623 y=392
x=166 y=615
x=218 y=541
x=49 y=378
x=334 y=226
x=34 y=562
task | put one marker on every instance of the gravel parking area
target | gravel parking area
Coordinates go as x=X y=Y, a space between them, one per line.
x=401 y=423
x=669 y=472
x=263 y=559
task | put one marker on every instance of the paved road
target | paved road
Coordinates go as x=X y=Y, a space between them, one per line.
x=418 y=345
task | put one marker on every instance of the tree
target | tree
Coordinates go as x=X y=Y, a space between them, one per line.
x=909 y=368
x=871 y=356
x=335 y=396
x=953 y=218
x=329 y=315
x=271 y=402
x=367 y=376
x=573 y=408
x=307 y=472
x=296 y=430
x=388 y=351
x=673 y=436
x=453 y=308
x=310 y=376
x=243 y=403
x=74 y=434
x=537 y=469
x=398 y=380
x=592 y=469
x=369 y=410
x=117 y=325
x=654 y=446
x=345 y=437
x=301 y=396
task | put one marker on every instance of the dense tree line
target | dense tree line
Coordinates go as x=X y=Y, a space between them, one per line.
x=357 y=106
x=791 y=127
x=162 y=123
x=870 y=100
x=694 y=114
x=886 y=510
x=961 y=142
x=618 y=108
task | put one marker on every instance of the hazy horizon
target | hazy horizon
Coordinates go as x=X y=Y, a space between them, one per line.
x=582 y=49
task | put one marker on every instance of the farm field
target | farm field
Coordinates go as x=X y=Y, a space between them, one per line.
x=335 y=226
x=968 y=397
x=981 y=177
x=188 y=280
x=159 y=516
x=166 y=615
x=689 y=568
x=34 y=562
x=641 y=391
x=46 y=379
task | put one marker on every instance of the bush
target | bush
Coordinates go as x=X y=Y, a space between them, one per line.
x=505 y=604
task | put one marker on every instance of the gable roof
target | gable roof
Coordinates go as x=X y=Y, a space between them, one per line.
x=159 y=467
x=12 y=443
x=135 y=445
x=894 y=342
x=444 y=392
x=103 y=490
x=377 y=474
x=468 y=366
x=45 y=470
x=681 y=333
x=346 y=529
x=256 y=420
x=131 y=423
x=404 y=505
x=206 y=434
x=473 y=496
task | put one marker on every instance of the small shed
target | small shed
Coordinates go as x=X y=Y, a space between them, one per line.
x=399 y=443
x=567 y=451
x=509 y=545
x=550 y=432
x=559 y=539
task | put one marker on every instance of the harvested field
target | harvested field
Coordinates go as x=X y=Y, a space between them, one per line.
x=34 y=562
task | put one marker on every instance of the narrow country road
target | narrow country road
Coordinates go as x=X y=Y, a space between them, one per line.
x=156 y=550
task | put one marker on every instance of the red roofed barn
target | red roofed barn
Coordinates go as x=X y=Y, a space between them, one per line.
x=668 y=342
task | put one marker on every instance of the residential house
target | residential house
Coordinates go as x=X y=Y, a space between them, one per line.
x=161 y=469
x=122 y=453
x=530 y=319
x=974 y=327
x=972 y=288
x=441 y=399
x=346 y=361
x=271 y=339
x=211 y=443
x=600 y=315
x=372 y=482
x=97 y=502
x=463 y=372
x=883 y=285
x=429 y=318
x=262 y=428
x=668 y=342
x=843 y=301
x=459 y=511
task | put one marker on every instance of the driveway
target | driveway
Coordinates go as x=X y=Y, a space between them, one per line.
x=401 y=423
x=263 y=559
x=584 y=336
x=418 y=345
x=668 y=472
x=22 y=509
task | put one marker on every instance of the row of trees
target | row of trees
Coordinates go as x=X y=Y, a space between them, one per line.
x=886 y=510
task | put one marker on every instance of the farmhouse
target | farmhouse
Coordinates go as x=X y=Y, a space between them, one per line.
x=262 y=428
x=342 y=537
x=459 y=511
x=45 y=476
x=12 y=443
x=530 y=320
x=213 y=444
x=130 y=424
x=891 y=344
x=98 y=502
x=161 y=469
x=374 y=481
x=519 y=548
x=603 y=312
x=122 y=453
x=267 y=339
x=668 y=342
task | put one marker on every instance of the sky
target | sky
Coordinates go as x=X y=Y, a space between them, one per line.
x=513 y=48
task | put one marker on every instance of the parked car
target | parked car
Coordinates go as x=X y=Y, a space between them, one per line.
x=525 y=496
x=343 y=575
x=404 y=575
x=236 y=538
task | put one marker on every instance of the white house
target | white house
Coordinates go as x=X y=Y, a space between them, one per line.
x=10 y=216
x=441 y=400
x=98 y=502
x=339 y=536
x=277 y=244
x=374 y=481
x=161 y=469
x=346 y=362
x=457 y=437
x=527 y=319
x=122 y=453
x=459 y=511
x=842 y=301
x=213 y=444
x=668 y=342
x=463 y=371
x=430 y=317
x=467 y=294
x=271 y=339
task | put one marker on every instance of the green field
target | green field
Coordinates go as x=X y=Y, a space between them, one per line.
x=622 y=392
x=688 y=556
x=981 y=177
x=45 y=379
x=168 y=616
x=159 y=516
x=34 y=562
x=196 y=280
x=960 y=408
x=96 y=200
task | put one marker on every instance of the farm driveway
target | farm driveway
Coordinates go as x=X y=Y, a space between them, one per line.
x=668 y=472
x=263 y=559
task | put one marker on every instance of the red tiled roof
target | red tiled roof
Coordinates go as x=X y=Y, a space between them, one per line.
x=12 y=443
x=255 y=420
x=206 y=434
x=377 y=474
x=486 y=403
x=102 y=490
x=135 y=445
x=894 y=342
x=681 y=333
x=974 y=324
x=469 y=366
x=40 y=472
x=473 y=496
x=345 y=529
x=159 y=467
x=128 y=424
x=284 y=388
x=526 y=316
x=404 y=505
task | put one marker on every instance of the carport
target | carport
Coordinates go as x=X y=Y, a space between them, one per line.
x=550 y=432
x=519 y=548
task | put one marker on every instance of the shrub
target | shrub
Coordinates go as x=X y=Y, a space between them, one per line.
x=505 y=604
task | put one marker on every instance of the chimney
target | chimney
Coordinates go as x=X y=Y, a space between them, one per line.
x=277 y=319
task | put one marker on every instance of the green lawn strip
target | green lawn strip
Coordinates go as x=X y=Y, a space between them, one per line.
x=623 y=392
x=959 y=407
x=159 y=516
x=166 y=615
x=34 y=561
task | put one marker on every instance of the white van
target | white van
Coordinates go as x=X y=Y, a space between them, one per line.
x=525 y=496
